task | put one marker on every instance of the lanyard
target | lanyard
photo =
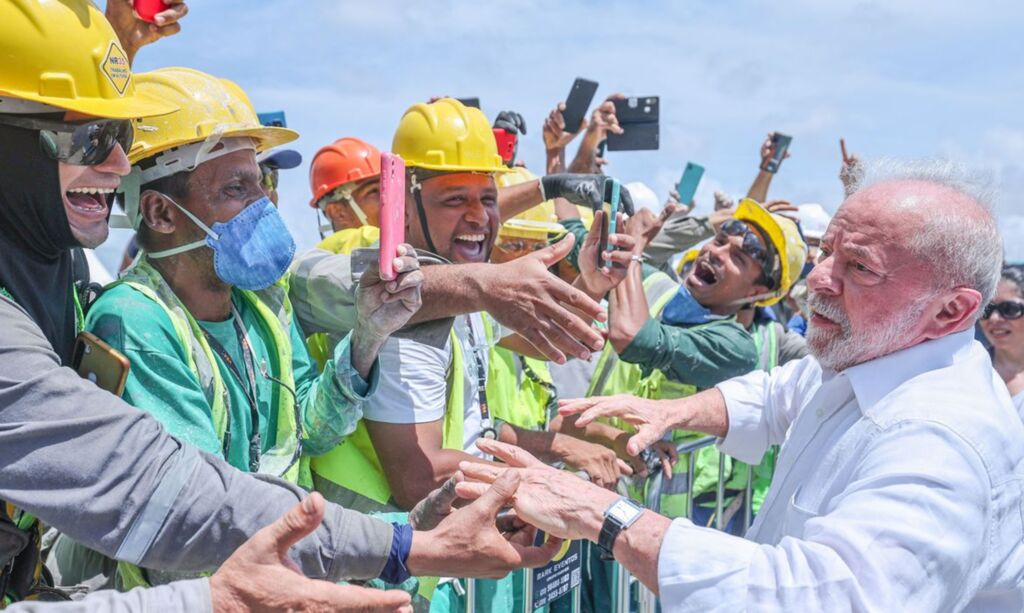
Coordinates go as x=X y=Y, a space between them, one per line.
x=486 y=427
x=255 y=447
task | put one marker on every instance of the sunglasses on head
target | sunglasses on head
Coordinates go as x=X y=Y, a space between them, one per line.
x=84 y=143
x=754 y=246
x=1007 y=310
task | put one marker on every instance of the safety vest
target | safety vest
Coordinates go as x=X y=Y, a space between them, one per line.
x=342 y=241
x=21 y=574
x=519 y=389
x=353 y=464
x=274 y=311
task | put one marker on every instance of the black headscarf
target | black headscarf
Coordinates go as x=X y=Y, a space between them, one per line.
x=36 y=264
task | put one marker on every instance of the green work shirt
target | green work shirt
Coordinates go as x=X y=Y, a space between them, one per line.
x=702 y=356
x=161 y=382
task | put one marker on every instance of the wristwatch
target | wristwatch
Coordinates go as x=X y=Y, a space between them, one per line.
x=620 y=515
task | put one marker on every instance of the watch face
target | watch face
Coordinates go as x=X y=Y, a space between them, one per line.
x=623 y=512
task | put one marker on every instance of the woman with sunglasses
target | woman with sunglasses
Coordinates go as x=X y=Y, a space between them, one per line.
x=1003 y=325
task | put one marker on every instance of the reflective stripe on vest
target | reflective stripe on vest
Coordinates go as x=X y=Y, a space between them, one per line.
x=353 y=464
x=274 y=312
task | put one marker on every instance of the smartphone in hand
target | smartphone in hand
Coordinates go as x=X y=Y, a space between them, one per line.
x=392 y=212
x=687 y=186
x=638 y=116
x=609 y=222
x=780 y=143
x=578 y=103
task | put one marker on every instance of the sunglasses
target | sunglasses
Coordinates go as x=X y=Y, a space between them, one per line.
x=1007 y=310
x=86 y=143
x=754 y=246
x=269 y=176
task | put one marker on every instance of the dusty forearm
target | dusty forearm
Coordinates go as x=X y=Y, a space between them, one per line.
x=759 y=188
x=365 y=348
x=586 y=156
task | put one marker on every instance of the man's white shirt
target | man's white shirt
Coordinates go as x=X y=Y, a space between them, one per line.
x=899 y=485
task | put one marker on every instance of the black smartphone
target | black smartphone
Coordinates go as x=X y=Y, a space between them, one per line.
x=639 y=118
x=473 y=102
x=578 y=103
x=780 y=143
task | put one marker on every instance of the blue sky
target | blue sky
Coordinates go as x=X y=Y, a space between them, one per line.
x=902 y=78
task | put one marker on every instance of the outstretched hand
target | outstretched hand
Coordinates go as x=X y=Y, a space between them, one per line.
x=525 y=297
x=260 y=576
x=468 y=543
x=651 y=420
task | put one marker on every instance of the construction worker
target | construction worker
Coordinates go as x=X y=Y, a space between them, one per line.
x=214 y=350
x=80 y=459
x=345 y=180
x=431 y=402
x=672 y=340
x=522 y=295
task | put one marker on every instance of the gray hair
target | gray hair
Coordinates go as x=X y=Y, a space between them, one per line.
x=965 y=250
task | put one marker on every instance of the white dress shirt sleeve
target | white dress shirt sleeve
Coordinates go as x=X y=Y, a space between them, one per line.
x=903 y=532
x=761 y=407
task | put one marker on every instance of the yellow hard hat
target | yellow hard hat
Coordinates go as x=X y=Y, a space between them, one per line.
x=64 y=54
x=786 y=240
x=543 y=212
x=447 y=136
x=688 y=256
x=207 y=107
x=526 y=229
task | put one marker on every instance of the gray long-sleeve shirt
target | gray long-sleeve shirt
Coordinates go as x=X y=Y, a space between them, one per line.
x=109 y=476
x=678 y=234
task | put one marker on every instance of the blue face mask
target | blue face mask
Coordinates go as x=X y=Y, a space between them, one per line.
x=251 y=251
x=684 y=310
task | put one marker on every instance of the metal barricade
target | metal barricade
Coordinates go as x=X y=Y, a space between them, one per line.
x=623 y=583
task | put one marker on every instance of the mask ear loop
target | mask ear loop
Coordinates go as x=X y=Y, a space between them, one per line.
x=188 y=246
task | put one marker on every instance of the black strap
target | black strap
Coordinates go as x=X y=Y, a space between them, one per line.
x=417 y=189
x=487 y=429
x=255 y=447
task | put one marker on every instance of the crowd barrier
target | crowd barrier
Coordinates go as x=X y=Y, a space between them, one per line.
x=628 y=594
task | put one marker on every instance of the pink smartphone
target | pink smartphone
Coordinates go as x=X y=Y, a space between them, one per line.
x=392 y=212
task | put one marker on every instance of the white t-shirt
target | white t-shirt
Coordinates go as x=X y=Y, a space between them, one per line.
x=413 y=384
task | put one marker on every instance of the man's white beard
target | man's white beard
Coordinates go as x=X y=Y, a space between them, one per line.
x=843 y=349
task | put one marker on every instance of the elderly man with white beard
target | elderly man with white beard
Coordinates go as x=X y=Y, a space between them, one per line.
x=899 y=483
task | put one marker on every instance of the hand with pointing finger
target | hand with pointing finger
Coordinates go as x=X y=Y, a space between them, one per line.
x=259 y=576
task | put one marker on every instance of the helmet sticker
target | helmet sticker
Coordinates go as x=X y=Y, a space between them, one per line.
x=115 y=67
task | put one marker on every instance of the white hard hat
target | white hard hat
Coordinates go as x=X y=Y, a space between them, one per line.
x=814 y=219
x=643 y=196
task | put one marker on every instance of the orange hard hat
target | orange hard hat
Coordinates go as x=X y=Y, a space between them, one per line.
x=343 y=161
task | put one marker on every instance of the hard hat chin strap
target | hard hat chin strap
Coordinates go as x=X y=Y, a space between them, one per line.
x=416 y=188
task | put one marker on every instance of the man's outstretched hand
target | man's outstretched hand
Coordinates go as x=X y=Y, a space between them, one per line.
x=468 y=542
x=590 y=190
x=259 y=576
x=555 y=317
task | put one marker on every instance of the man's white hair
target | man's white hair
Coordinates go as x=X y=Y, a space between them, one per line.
x=965 y=250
